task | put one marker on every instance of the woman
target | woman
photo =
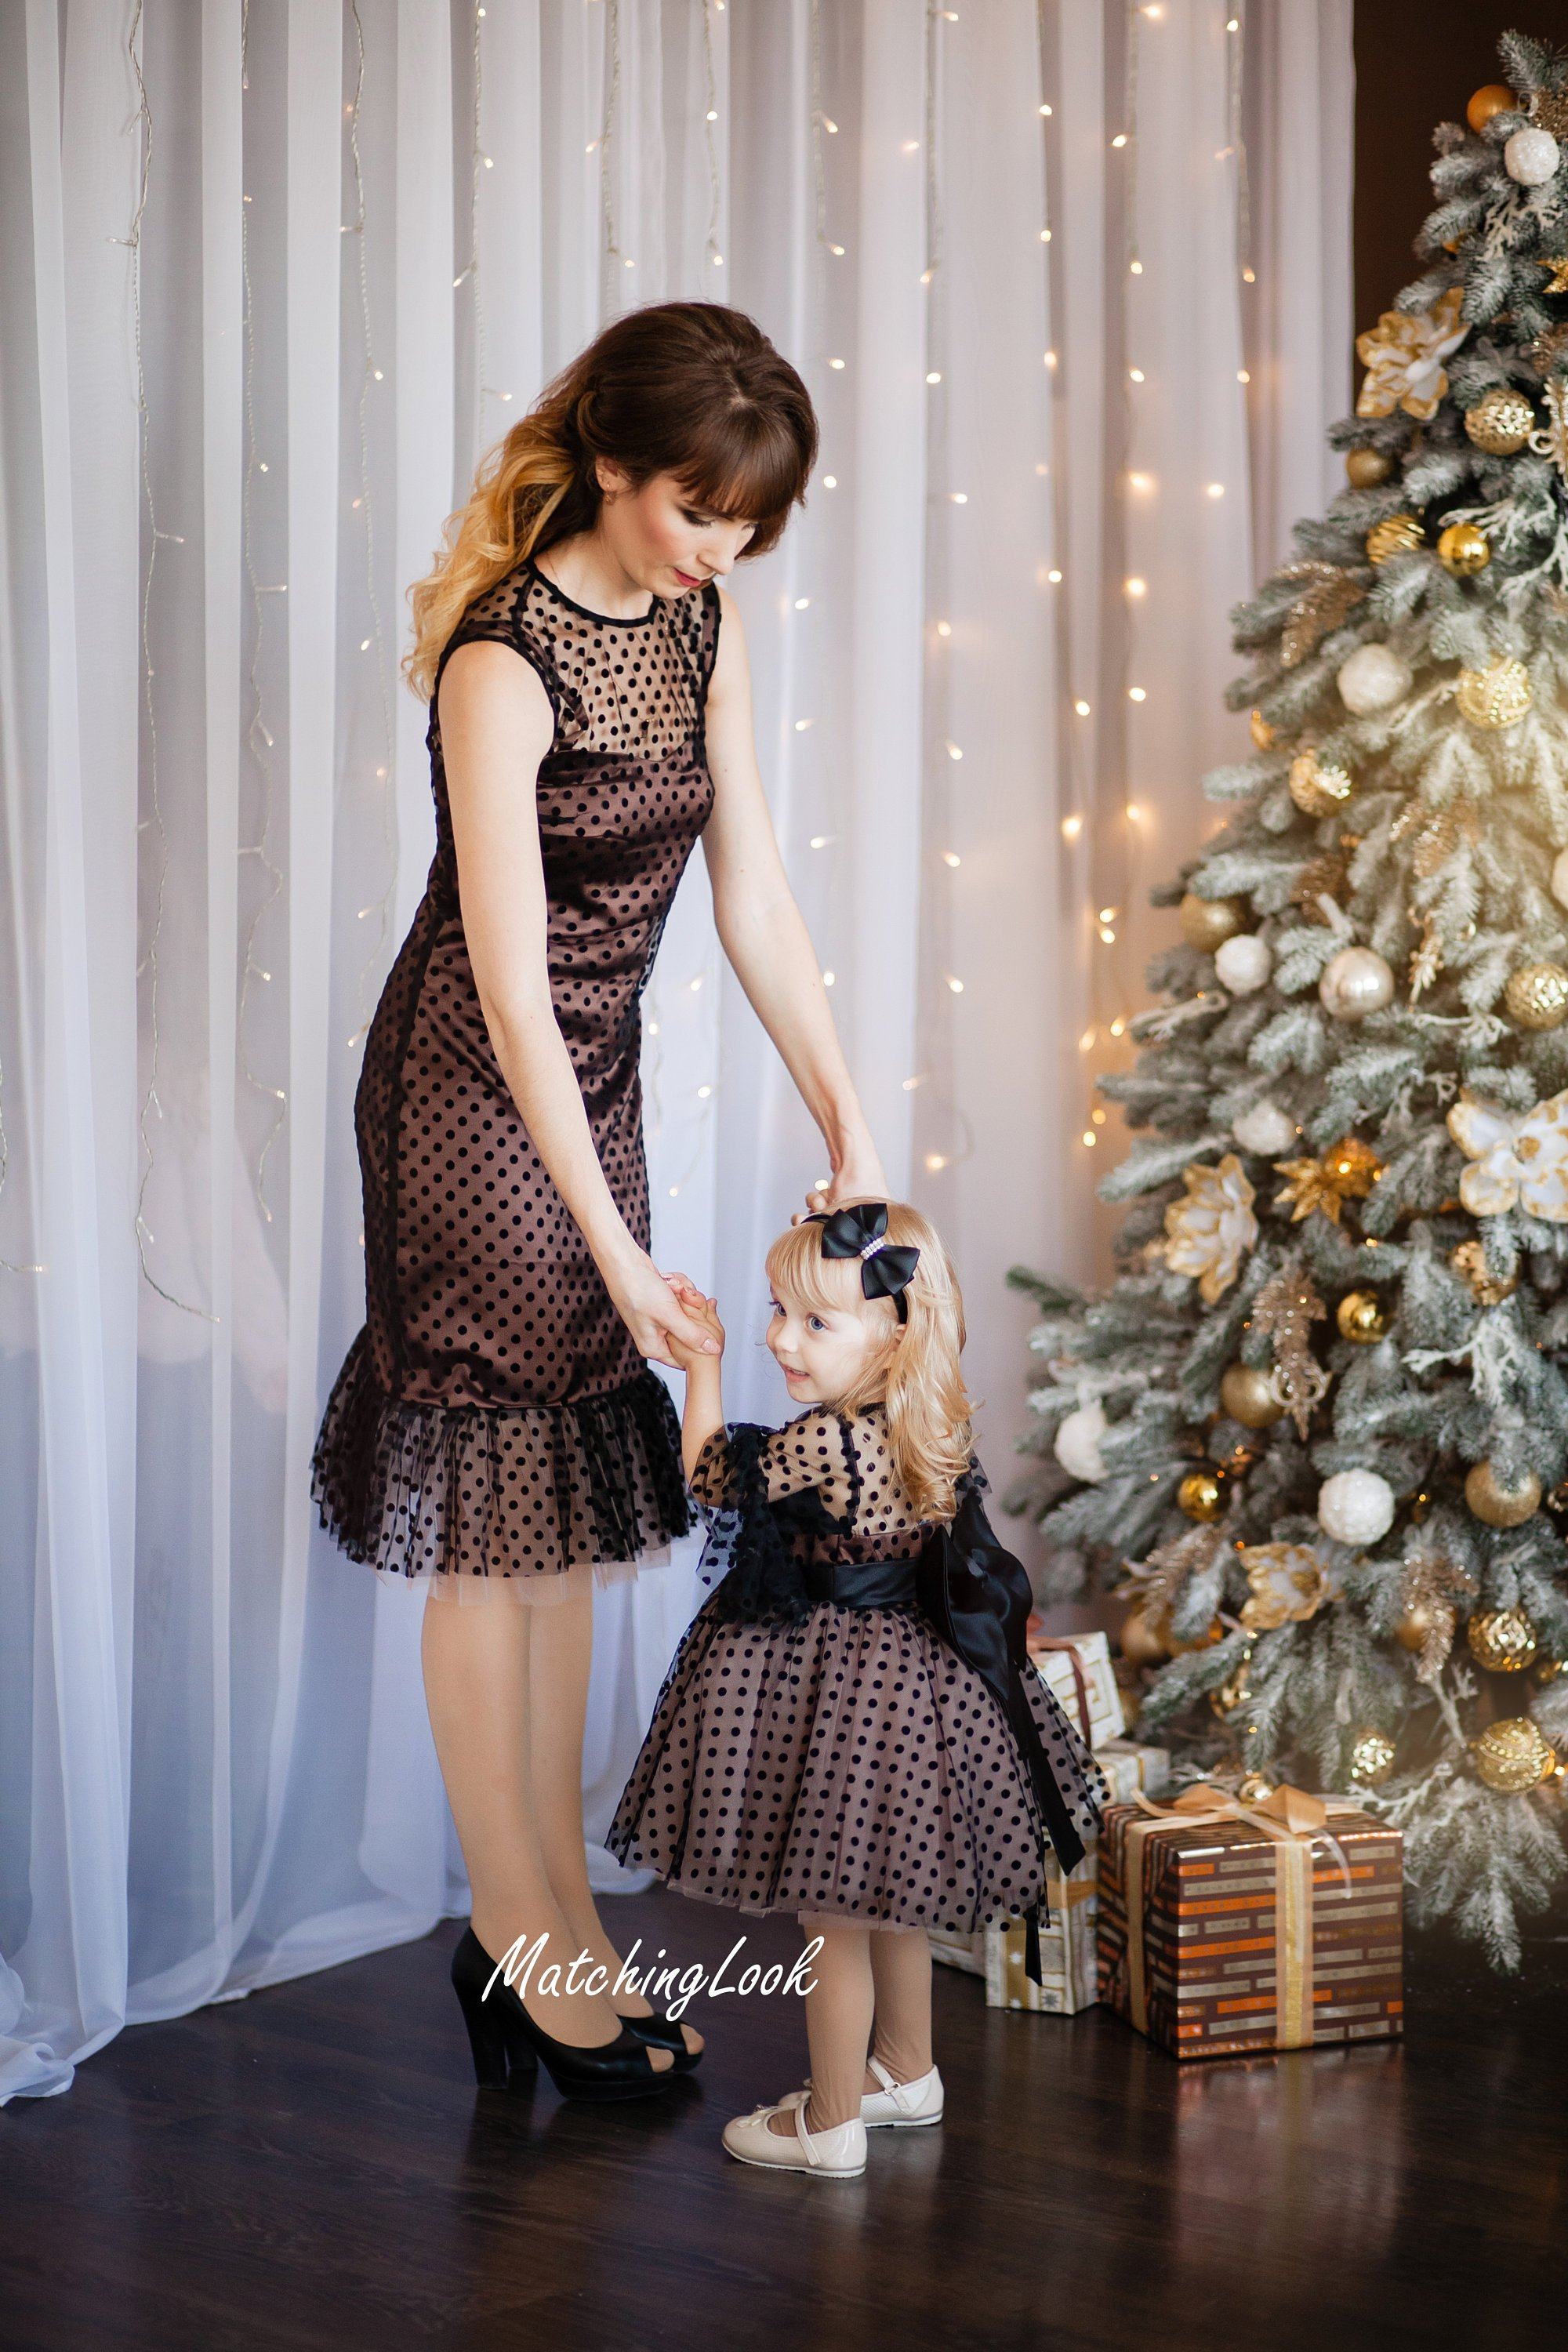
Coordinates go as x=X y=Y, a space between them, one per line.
x=495 y=1429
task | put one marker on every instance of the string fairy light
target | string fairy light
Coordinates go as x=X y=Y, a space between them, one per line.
x=612 y=251
x=710 y=118
x=149 y=963
x=376 y=643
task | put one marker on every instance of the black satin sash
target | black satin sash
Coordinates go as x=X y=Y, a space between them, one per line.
x=977 y=1595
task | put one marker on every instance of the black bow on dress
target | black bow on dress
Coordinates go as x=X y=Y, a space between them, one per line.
x=977 y=1595
x=886 y=1267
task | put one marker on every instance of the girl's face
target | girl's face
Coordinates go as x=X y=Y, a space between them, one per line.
x=662 y=538
x=822 y=1350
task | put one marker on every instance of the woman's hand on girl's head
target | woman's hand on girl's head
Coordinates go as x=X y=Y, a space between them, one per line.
x=660 y=1320
x=859 y=1178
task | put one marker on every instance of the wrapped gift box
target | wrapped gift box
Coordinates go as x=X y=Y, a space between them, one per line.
x=1068 y=1955
x=1078 y=1669
x=1227 y=1929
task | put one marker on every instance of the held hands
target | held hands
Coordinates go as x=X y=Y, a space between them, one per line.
x=704 y=1313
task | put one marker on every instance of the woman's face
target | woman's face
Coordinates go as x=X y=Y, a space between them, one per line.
x=661 y=537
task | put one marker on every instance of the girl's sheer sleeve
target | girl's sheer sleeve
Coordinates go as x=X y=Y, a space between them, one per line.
x=745 y=1458
x=744 y=1479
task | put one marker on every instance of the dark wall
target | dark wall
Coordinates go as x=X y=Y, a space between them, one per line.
x=1416 y=62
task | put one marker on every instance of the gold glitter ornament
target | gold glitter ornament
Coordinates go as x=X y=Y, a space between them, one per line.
x=1318 y=786
x=1199 y=1495
x=1233 y=1692
x=1503 y=1641
x=1469 y=1262
x=1207 y=923
x=1248 y=1396
x=1370 y=1758
x=1464 y=549
x=1499 y=1506
x=1537 y=996
x=1396 y=534
x=1513 y=1755
x=1497 y=696
x=1262 y=733
x=1501 y=422
x=1492 y=98
x=1364 y=468
x=1360 y=1316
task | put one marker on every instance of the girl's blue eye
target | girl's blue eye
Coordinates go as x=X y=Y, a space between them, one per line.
x=819 y=1323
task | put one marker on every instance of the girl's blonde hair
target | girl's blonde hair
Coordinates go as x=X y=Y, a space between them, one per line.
x=916 y=1372
x=689 y=388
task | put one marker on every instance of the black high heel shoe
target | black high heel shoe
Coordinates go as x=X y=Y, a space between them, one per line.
x=662 y=2032
x=507 y=2044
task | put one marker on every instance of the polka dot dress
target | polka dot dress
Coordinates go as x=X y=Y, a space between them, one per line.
x=493 y=1426
x=849 y=1763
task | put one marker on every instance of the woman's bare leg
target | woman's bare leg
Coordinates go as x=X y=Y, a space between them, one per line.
x=900 y=1973
x=838 y=2023
x=476 y=1661
x=561 y=1645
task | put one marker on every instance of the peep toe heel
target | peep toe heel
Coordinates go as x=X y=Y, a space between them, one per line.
x=507 y=2044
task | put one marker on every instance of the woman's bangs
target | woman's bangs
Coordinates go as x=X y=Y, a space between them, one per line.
x=746 y=480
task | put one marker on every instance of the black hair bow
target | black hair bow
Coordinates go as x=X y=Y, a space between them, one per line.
x=886 y=1267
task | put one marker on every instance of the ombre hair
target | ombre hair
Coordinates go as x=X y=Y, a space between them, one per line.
x=694 y=389
x=915 y=1372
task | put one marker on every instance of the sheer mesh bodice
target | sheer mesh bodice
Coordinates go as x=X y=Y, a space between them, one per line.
x=492 y=1419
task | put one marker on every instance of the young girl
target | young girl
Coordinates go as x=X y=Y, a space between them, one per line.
x=849 y=1728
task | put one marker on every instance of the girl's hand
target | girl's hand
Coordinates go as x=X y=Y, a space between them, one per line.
x=857 y=1175
x=699 y=1310
x=657 y=1316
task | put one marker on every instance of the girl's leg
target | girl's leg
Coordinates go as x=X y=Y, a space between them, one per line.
x=900 y=1972
x=561 y=1645
x=475 y=1662
x=837 y=2022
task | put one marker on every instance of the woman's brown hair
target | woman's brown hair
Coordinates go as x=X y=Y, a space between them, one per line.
x=694 y=389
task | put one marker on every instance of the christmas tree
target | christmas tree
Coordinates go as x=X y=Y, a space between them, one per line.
x=1317 y=1429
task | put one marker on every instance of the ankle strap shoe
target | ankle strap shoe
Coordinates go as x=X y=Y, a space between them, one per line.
x=837 y=2154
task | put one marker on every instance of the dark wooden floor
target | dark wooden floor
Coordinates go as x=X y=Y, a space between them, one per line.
x=311 y=2168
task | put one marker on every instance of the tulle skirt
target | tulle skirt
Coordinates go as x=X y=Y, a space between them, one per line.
x=850 y=1764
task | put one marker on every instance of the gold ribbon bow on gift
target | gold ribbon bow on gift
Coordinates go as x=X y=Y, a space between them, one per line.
x=1293 y=1820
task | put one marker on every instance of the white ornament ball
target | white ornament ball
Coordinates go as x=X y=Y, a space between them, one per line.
x=1078 y=1442
x=1355 y=1506
x=1531 y=157
x=1372 y=679
x=1243 y=963
x=1560 y=877
x=1265 y=1130
x=1356 y=982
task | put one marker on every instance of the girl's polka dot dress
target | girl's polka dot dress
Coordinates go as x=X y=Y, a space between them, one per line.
x=493 y=1426
x=848 y=1763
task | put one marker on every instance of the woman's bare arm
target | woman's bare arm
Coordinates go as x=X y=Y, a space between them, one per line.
x=761 y=927
x=496 y=726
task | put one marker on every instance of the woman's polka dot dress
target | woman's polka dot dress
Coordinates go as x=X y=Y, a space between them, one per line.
x=493 y=1426
x=848 y=1764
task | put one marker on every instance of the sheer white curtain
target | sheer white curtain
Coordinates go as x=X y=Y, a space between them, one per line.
x=269 y=277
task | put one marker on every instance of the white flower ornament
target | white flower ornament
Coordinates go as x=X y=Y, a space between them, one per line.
x=1516 y=1157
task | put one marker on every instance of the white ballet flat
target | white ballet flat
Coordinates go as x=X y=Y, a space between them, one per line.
x=837 y=2154
x=903 y=2104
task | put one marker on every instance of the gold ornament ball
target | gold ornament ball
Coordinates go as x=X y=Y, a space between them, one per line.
x=1512 y=1754
x=1364 y=468
x=1492 y=98
x=1199 y=1495
x=1502 y=1640
x=1497 y=1506
x=1360 y=1316
x=1262 y=733
x=1207 y=923
x=1501 y=422
x=1419 y=1621
x=1252 y=1788
x=1396 y=534
x=1139 y=1642
x=1464 y=549
x=1247 y=1395
x=1370 y=1758
x=1497 y=696
x=1537 y=996
x=1318 y=786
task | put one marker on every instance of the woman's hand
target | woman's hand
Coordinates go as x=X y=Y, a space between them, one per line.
x=699 y=1309
x=653 y=1311
x=857 y=1175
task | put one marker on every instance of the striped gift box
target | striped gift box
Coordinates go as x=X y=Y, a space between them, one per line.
x=1219 y=1934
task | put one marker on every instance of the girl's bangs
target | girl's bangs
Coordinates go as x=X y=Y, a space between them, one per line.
x=795 y=1265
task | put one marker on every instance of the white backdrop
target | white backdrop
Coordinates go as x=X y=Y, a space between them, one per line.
x=269 y=277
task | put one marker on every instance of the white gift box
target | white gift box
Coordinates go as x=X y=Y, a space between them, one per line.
x=1078 y=1670
x=1068 y=1944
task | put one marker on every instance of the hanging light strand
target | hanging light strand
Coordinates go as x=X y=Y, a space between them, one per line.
x=612 y=254
x=709 y=125
x=1237 y=87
